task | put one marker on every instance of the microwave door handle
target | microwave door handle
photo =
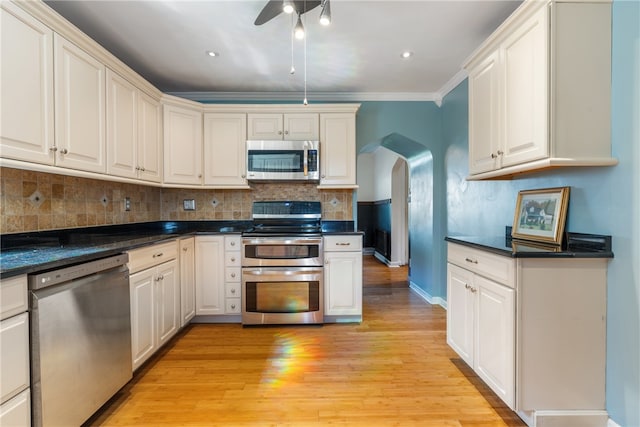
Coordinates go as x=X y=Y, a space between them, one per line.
x=305 y=162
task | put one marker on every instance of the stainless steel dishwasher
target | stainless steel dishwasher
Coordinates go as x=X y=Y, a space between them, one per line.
x=80 y=339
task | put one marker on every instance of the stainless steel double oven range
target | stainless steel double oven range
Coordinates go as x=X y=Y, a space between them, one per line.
x=282 y=264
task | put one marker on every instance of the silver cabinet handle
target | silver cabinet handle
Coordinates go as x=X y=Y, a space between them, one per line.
x=233 y=275
x=64 y=151
x=233 y=291
x=233 y=306
x=343 y=244
x=232 y=243
x=500 y=152
x=158 y=255
x=233 y=259
x=279 y=132
x=286 y=132
x=53 y=149
x=473 y=261
x=493 y=155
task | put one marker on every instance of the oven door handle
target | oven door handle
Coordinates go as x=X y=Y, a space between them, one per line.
x=296 y=271
x=282 y=241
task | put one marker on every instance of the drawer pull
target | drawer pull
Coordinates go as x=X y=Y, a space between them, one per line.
x=233 y=306
x=232 y=243
x=233 y=291
x=343 y=244
x=233 y=274
x=474 y=261
x=158 y=255
x=185 y=249
x=233 y=259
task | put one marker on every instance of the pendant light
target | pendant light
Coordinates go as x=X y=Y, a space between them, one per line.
x=325 y=15
x=299 y=29
x=288 y=6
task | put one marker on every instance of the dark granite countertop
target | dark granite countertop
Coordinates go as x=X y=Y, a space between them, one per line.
x=25 y=253
x=575 y=245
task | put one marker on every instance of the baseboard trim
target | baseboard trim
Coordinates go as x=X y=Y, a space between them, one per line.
x=426 y=296
x=570 y=418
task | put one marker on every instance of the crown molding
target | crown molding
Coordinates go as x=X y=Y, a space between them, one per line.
x=453 y=82
x=312 y=96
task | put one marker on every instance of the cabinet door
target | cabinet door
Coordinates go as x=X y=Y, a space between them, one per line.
x=337 y=149
x=460 y=312
x=495 y=337
x=526 y=91
x=14 y=364
x=182 y=145
x=143 y=313
x=343 y=283
x=122 y=132
x=26 y=84
x=224 y=149
x=17 y=411
x=168 y=300
x=264 y=126
x=187 y=280
x=80 y=108
x=305 y=126
x=484 y=123
x=149 y=138
x=210 y=291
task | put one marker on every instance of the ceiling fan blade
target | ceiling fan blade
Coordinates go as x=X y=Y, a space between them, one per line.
x=272 y=9
x=304 y=6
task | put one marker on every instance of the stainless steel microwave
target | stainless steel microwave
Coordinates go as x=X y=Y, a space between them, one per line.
x=283 y=160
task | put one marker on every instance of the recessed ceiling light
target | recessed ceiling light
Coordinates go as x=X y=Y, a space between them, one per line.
x=406 y=54
x=212 y=53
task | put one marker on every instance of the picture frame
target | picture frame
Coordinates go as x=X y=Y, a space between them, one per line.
x=541 y=214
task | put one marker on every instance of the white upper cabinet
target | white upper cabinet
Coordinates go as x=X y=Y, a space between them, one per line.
x=79 y=86
x=26 y=84
x=225 y=135
x=338 y=150
x=290 y=126
x=182 y=144
x=133 y=131
x=149 y=138
x=540 y=91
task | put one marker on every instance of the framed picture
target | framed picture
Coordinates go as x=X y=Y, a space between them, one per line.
x=540 y=215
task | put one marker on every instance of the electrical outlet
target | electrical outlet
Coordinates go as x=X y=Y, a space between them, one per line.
x=127 y=204
x=189 y=205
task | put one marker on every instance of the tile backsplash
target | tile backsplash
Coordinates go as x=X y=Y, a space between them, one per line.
x=36 y=201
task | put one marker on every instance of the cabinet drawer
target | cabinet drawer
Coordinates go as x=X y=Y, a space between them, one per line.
x=232 y=259
x=232 y=290
x=232 y=243
x=143 y=258
x=232 y=306
x=13 y=296
x=14 y=364
x=17 y=411
x=343 y=243
x=232 y=274
x=492 y=266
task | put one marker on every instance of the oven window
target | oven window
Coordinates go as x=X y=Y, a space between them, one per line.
x=282 y=297
x=282 y=251
x=276 y=160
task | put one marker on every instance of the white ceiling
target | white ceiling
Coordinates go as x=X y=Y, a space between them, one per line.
x=357 y=57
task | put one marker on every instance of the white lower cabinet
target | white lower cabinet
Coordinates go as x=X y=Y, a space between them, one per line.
x=343 y=276
x=15 y=406
x=481 y=328
x=187 y=280
x=528 y=325
x=218 y=275
x=155 y=300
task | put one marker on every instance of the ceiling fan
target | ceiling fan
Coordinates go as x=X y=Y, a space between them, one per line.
x=274 y=8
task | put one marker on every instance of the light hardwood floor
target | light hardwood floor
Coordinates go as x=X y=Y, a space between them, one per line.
x=393 y=369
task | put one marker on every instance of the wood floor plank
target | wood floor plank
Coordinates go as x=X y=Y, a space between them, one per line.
x=394 y=369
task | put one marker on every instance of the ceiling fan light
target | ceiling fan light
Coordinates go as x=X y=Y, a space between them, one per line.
x=298 y=31
x=325 y=15
x=287 y=6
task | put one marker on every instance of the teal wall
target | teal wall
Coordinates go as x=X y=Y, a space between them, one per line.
x=603 y=200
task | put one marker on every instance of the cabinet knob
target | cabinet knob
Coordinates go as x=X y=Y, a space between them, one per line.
x=158 y=255
x=233 y=306
x=53 y=149
x=199 y=175
x=185 y=249
x=233 y=291
x=64 y=151
x=233 y=259
x=493 y=155
x=243 y=176
x=142 y=169
x=500 y=152
x=232 y=243
x=233 y=274
x=286 y=132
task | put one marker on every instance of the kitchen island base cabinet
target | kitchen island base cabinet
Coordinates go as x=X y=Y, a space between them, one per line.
x=155 y=299
x=342 y=278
